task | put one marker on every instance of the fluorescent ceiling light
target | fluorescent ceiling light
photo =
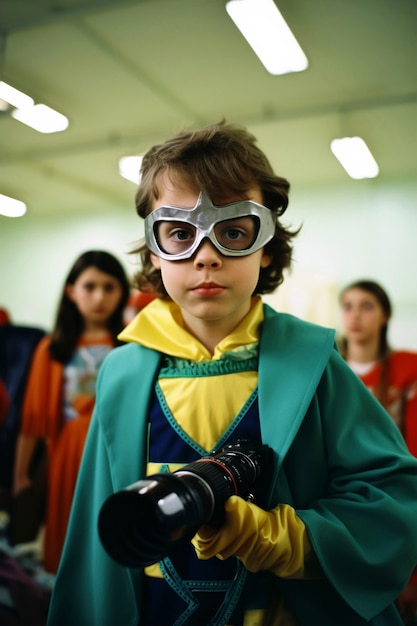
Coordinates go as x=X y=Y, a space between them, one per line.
x=38 y=116
x=14 y=97
x=11 y=207
x=355 y=157
x=129 y=168
x=268 y=34
x=42 y=118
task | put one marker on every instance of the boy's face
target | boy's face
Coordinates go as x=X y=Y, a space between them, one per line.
x=209 y=286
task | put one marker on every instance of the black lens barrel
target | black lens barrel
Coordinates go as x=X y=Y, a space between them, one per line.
x=143 y=523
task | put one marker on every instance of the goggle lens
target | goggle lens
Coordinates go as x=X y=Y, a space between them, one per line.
x=175 y=237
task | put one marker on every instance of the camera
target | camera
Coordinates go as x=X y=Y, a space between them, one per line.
x=146 y=521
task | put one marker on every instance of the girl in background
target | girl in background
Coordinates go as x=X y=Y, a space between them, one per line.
x=60 y=393
x=390 y=375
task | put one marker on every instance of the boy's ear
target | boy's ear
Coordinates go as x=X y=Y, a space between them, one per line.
x=156 y=261
x=266 y=260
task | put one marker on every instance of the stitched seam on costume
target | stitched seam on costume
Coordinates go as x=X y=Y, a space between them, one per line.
x=174 y=424
x=207 y=585
x=231 y=598
x=183 y=368
x=177 y=584
x=235 y=423
x=181 y=588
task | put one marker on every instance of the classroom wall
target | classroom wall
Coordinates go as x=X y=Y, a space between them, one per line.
x=360 y=229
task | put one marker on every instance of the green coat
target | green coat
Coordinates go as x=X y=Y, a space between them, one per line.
x=340 y=461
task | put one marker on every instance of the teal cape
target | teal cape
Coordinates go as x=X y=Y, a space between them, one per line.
x=340 y=461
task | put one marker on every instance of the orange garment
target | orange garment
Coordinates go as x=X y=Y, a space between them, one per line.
x=43 y=417
x=401 y=392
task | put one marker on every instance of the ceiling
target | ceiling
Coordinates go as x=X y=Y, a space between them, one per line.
x=129 y=74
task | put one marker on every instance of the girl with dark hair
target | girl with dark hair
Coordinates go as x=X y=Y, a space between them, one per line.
x=390 y=375
x=60 y=393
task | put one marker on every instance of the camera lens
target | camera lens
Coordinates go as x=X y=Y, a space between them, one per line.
x=139 y=525
x=143 y=523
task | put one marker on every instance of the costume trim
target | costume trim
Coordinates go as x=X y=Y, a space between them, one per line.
x=183 y=435
x=184 y=589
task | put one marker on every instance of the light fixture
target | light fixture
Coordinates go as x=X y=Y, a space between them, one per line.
x=129 y=168
x=11 y=207
x=42 y=118
x=355 y=156
x=268 y=34
x=38 y=116
x=14 y=97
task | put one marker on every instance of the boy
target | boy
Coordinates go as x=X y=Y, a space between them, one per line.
x=207 y=365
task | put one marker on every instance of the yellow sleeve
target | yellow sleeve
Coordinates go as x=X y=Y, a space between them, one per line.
x=263 y=540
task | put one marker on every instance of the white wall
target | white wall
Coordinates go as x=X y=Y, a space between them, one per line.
x=36 y=254
x=359 y=230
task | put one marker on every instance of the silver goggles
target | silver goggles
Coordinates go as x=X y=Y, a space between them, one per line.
x=235 y=229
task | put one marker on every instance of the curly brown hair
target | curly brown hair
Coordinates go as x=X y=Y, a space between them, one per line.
x=218 y=160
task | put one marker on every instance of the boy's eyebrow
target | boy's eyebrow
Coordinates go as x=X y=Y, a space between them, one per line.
x=204 y=202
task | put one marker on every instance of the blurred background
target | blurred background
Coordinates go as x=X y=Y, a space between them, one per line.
x=128 y=74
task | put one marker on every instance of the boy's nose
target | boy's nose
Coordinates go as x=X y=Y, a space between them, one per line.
x=207 y=255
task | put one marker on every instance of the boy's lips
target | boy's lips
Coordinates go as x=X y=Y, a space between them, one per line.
x=208 y=288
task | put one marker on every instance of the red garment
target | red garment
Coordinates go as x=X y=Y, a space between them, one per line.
x=4 y=401
x=4 y=317
x=43 y=417
x=401 y=396
x=401 y=393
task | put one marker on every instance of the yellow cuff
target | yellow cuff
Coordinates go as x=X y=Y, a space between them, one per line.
x=263 y=540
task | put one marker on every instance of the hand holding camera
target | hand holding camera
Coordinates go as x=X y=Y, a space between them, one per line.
x=143 y=523
x=262 y=540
